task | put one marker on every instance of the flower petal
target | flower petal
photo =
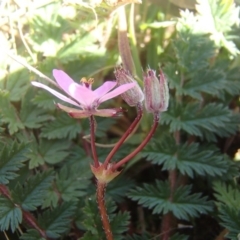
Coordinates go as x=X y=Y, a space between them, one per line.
x=74 y=113
x=104 y=88
x=111 y=112
x=63 y=80
x=55 y=93
x=117 y=91
x=82 y=94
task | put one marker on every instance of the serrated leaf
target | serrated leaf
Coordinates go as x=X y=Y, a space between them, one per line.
x=71 y=185
x=31 y=116
x=209 y=118
x=181 y=203
x=17 y=84
x=185 y=48
x=188 y=159
x=46 y=151
x=9 y=114
x=12 y=156
x=227 y=194
x=44 y=100
x=57 y=221
x=10 y=215
x=118 y=188
x=31 y=195
x=92 y=221
x=31 y=234
x=230 y=219
x=62 y=127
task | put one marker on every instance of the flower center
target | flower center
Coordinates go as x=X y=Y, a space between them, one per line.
x=87 y=82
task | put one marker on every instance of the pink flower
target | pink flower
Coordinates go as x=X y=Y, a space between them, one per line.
x=82 y=96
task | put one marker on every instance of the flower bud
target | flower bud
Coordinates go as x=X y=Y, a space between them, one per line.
x=134 y=95
x=156 y=92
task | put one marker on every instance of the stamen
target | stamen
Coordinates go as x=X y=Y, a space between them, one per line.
x=87 y=82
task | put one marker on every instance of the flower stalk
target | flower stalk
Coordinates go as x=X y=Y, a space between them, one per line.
x=101 y=187
x=125 y=135
x=141 y=146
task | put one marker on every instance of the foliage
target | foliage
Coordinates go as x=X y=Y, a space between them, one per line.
x=186 y=174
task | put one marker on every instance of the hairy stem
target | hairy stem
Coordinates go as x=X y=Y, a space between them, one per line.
x=141 y=146
x=169 y=222
x=125 y=135
x=93 y=146
x=123 y=44
x=102 y=209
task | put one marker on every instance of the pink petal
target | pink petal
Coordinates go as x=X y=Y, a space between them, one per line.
x=113 y=112
x=82 y=94
x=117 y=91
x=104 y=88
x=63 y=80
x=75 y=113
x=55 y=93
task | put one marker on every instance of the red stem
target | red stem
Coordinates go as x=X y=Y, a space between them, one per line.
x=93 y=146
x=102 y=208
x=140 y=147
x=125 y=135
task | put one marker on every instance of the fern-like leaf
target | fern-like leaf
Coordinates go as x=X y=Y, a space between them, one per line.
x=9 y=114
x=227 y=194
x=188 y=159
x=57 y=221
x=12 y=157
x=230 y=219
x=192 y=119
x=31 y=234
x=62 y=127
x=46 y=151
x=10 y=215
x=183 y=204
x=32 y=194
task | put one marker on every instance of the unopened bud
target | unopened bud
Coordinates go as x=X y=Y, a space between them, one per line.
x=134 y=95
x=156 y=92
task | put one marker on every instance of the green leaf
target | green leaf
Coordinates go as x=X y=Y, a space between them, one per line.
x=31 y=116
x=92 y=221
x=183 y=204
x=187 y=158
x=51 y=152
x=9 y=114
x=73 y=182
x=230 y=219
x=44 y=100
x=31 y=234
x=57 y=221
x=62 y=127
x=81 y=45
x=31 y=195
x=188 y=58
x=210 y=118
x=227 y=194
x=118 y=188
x=12 y=156
x=10 y=215
x=17 y=84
